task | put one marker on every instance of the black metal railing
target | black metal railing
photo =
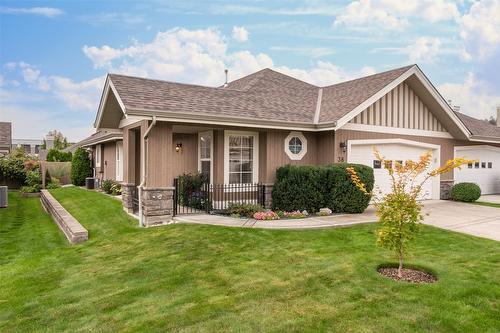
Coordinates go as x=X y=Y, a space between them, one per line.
x=215 y=197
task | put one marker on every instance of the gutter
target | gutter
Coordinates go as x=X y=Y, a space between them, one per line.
x=144 y=156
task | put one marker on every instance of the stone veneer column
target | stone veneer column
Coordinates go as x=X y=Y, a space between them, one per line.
x=127 y=196
x=268 y=197
x=157 y=205
x=445 y=189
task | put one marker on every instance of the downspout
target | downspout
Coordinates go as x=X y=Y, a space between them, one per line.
x=144 y=156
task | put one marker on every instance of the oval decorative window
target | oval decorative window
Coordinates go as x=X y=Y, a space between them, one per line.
x=296 y=145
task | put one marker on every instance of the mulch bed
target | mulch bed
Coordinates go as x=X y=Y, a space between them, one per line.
x=409 y=275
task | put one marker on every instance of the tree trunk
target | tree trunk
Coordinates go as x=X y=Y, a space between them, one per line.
x=400 y=268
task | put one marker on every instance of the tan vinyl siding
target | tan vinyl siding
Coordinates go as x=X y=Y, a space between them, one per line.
x=277 y=157
x=160 y=152
x=186 y=160
x=107 y=169
x=401 y=108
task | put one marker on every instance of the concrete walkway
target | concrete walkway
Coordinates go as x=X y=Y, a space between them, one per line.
x=466 y=218
x=306 y=223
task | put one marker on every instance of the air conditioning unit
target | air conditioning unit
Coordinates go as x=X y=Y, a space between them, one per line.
x=4 y=200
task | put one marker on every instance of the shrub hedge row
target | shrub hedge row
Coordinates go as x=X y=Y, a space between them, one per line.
x=315 y=187
x=467 y=192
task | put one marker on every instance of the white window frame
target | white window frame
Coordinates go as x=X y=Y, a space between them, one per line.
x=303 y=152
x=255 y=166
x=98 y=156
x=211 y=159
x=119 y=161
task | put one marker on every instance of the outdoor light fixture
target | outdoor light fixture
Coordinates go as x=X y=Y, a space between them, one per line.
x=178 y=147
x=343 y=146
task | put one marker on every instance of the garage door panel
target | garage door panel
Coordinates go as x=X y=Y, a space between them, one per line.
x=485 y=172
x=363 y=154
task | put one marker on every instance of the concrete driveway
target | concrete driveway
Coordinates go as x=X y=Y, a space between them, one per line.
x=466 y=218
x=460 y=217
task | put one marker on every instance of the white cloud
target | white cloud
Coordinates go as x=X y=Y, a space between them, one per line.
x=112 y=18
x=425 y=49
x=199 y=57
x=313 y=52
x=480 y=30
x=395 y=14
x=240 y=34
x=472 y=97
x=43 y=120
x=43 y=11
x=76 y=96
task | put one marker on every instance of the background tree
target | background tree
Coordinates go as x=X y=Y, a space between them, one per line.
x=400 y=212
x=60 y=141
x=55 y=155
x=80 y=167
x=491 y=120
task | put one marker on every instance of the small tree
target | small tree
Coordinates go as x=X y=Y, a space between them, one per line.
x=399 y=211
x=55 y=155
x=80 y=167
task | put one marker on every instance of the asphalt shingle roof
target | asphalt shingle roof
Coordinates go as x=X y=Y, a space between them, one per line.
x=265 y=95
x=479 y=127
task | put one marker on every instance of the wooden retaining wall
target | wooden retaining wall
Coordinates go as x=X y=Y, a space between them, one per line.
x=72 y=229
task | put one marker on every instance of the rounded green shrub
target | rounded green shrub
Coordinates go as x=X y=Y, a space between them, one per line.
x=314 y=187
x=80 y=167
x=466 y=192
x=55 y=155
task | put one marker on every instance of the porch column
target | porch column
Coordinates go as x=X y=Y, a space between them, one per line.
x=157 y=195
x=129 y=156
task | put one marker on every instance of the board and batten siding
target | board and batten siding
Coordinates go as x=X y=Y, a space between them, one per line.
x=400 y=108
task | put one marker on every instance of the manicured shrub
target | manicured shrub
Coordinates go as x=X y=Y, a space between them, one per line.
x=467 y=192
x=55 y=155
x=53 y=183
x=190 y=190
x=314 y=187
x=243 y=209
x=106 y=185
x=341 y=195
x=80 y=167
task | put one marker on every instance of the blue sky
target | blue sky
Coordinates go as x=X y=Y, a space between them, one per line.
x=54 y=55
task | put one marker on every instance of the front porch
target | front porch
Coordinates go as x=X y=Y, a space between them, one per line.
x=238 y=164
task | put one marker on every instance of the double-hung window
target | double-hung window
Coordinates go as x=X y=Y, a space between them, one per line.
x=241 y=157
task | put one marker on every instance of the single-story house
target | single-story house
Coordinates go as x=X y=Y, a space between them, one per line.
x=239 y=133
x=106 y=148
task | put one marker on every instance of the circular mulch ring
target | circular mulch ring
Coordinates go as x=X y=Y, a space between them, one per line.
x=409 y=275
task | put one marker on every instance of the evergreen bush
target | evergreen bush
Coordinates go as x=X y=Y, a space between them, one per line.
x=80 y=167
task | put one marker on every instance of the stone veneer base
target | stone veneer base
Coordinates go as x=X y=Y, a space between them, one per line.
x=72 y=229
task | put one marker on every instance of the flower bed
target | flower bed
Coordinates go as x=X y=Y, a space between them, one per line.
x=271 y=215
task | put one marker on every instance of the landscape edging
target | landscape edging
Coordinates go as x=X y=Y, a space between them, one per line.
x=72 y=229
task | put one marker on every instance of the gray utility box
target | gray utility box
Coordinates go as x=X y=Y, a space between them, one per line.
x=4 y=199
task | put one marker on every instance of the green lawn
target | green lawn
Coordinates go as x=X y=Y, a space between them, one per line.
x=489 y=204
x=191 y=278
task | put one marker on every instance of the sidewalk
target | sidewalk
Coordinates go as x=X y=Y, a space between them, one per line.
x=305 y=223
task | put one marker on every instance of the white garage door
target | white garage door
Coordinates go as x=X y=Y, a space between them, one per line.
x=485 y=171
x=361 y=151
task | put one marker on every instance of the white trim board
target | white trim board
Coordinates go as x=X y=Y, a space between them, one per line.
x=395 y=130
x=108 y=85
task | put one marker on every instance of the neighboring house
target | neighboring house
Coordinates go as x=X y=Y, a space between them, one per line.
x=241 y=132
x=30 y=146
x=106 y=148
x=5 y=138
